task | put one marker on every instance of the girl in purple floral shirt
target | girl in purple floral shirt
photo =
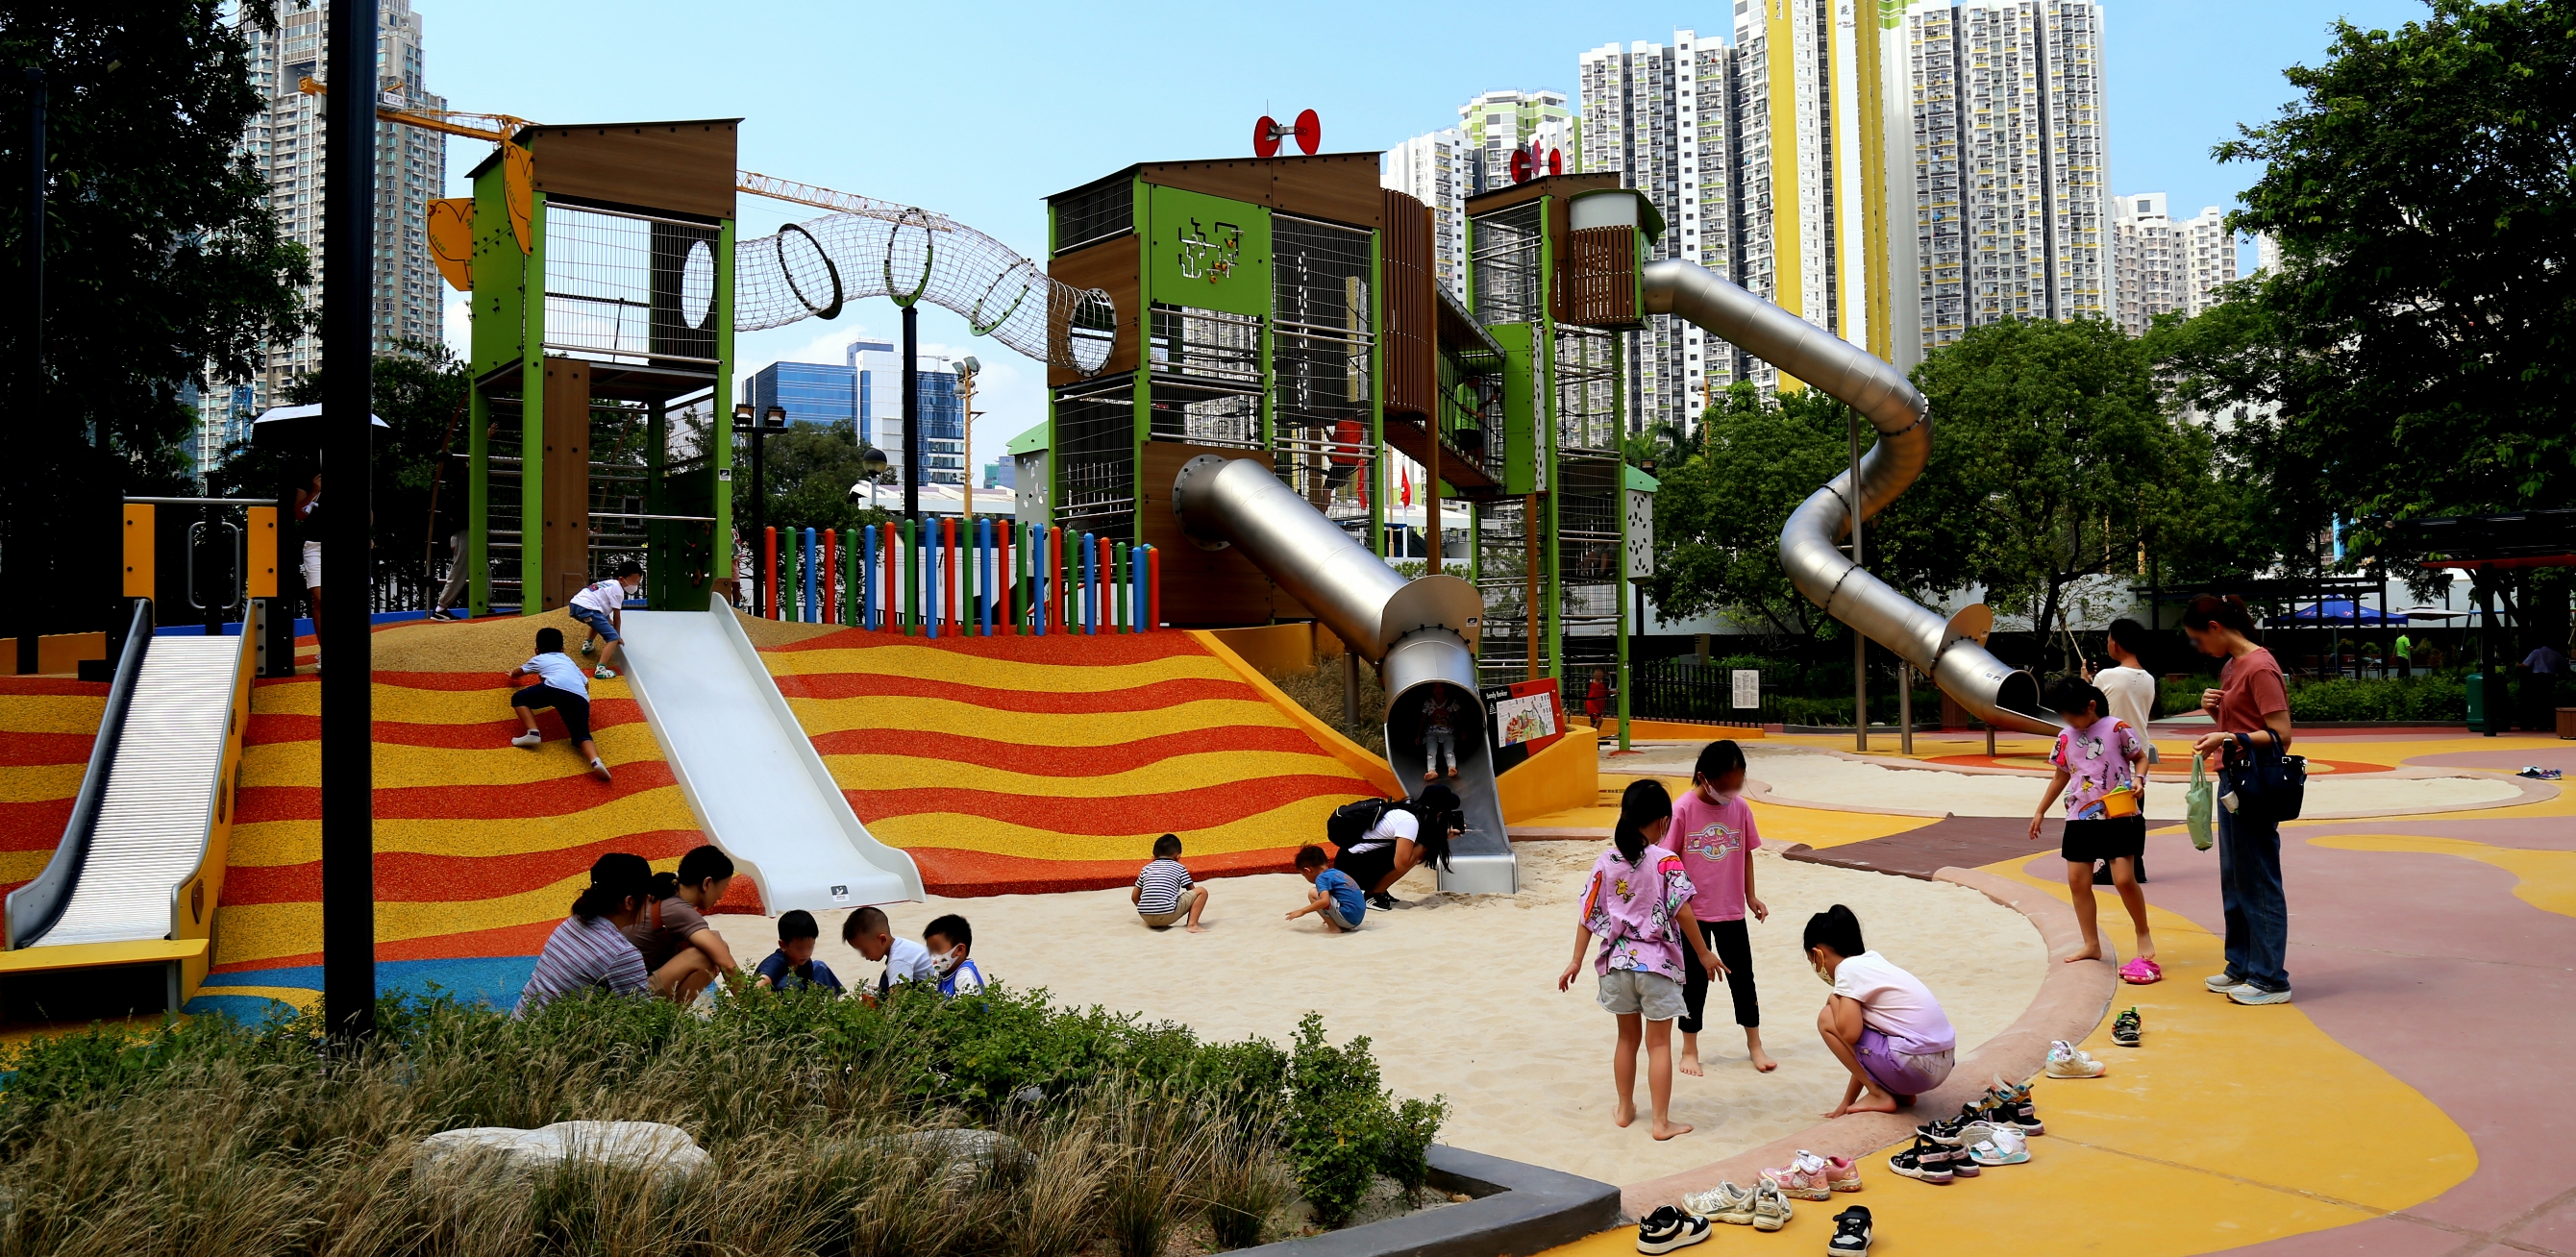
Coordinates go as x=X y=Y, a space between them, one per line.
x=1638 y=904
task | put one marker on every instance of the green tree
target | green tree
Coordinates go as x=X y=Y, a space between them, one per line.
x=420 y=392
x=811 y=469
x=2054 y=460
x=2414 y=354
x=163 y=262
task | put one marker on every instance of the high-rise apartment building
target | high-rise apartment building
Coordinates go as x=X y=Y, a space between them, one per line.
x=287 y=142
x=2163 y=266
x=1435 y=169
x=2011 y=166
x=1497 y=122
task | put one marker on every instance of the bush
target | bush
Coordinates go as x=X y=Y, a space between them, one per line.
x=2425 y=699
x=1130 y=1128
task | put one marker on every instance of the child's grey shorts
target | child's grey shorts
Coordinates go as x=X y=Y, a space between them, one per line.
x=1625 y=991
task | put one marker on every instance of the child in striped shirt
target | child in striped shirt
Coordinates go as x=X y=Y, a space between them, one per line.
x=1164 y=892
x=590 y=950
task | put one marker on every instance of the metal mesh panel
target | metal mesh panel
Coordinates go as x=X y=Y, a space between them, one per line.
x=1588 y=530
x=1096 y=447
x=1506 y=265
x=1321 y=336
x=1587 y=395
x=1206 y=367
x=1502 y=573
x=629 y=286
x=816 y=267
x=1098 y=212
x=1471 y=405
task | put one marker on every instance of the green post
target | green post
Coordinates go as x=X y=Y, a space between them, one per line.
x=532 y=416
x=720 y=533
x=911 y=578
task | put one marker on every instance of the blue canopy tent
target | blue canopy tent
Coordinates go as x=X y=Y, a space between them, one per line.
x=2335 y=611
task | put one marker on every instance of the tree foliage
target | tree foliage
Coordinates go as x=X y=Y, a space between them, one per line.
x=420 y=392
x=2415 y=351
x=810 y=471
x=163 y=262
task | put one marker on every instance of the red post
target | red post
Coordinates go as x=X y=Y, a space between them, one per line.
x=892 y=620
x=1153 y=588
x=829 y=575
x=768 y=610
x=1006 y=613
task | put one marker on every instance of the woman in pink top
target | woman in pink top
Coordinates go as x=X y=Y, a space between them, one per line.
x=2252 y=710
x=1638 y=904
x=1713 y=833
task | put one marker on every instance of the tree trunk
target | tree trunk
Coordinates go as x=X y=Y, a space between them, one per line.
x=2042 y=629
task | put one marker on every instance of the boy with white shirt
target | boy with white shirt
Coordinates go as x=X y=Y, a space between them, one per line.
x=561 y=686
x=2131 y=691
x=872 y=936
x=599 y=606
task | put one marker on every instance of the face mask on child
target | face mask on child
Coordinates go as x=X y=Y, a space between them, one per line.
x=945 y=962
x=1821 y=974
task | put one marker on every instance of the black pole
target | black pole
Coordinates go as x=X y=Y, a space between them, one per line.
x=348 y=348
x=23 y=524
x=911 y=413
x=759 y=520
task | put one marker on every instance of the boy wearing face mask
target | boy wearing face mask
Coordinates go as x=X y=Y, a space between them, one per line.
x=949 y=939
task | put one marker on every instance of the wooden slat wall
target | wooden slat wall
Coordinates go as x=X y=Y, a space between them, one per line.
x=564 y=554
x=1116 y=265
x=686 y=167
x=1412 y=312
x=1601 y=277
x=1203 y=588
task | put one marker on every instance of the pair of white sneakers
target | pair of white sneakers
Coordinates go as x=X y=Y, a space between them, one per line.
x=1762 y=1206
x=2239 y=991
x=2065 y=1060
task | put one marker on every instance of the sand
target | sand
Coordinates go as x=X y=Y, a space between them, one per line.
x=1815 y=778
x=1458 y=994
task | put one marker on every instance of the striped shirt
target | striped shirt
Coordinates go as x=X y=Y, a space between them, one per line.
x=1159 y=886
x=583 y=954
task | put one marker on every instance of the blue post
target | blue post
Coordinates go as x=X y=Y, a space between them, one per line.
x=930 y=577
x=813 y=579
x=1090 y=594
x=1137 y=622
x=1037 y=578
x=867 y=578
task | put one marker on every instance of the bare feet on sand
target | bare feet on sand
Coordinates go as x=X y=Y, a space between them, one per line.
x=1762 y=1062
x=1690 y=1065
x=1625 y=1113
x=1669 y=1130
x=1195 y=929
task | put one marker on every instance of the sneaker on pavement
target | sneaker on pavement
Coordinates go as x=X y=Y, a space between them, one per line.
x=1946 y=1131
x=441 y=613
x=2065 y=1060
x=1771 y=1209
x=2000 y=1147
x=1851 y=1233
x=1842 y=1174
x=1960 y=1165
x=2015 y=1107
x=2223 y=981
x=1668 y=1228
x=1802 y=1179
x=1925 y=1162
x=600 y=770
x=1725 y=1203
x=528 y=741
x=2125 y=1028
x=2252 y=994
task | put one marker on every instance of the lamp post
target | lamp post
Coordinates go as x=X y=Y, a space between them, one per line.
x=758 y=428
x=966 y=369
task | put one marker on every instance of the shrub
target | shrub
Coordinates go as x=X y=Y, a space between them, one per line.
x=2428 y=699
x=1336 y=1120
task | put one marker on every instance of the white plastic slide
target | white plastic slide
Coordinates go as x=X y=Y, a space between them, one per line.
x=759 y=788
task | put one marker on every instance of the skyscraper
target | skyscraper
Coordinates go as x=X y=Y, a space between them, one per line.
x=2011 y=163
x=2167 y=267
x=1435 y=170
x=1497 y=122
x=411 y=171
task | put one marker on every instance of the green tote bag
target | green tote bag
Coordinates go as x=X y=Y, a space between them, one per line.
x=2196 y=805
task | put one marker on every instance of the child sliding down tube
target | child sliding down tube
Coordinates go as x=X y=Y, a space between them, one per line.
x=1439 y=731
x=1713 y=832
x=2101 y=766
x=1638 y=903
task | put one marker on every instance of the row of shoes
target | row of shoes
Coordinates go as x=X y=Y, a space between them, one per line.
x=1995 y=1129
x=1668 y=1228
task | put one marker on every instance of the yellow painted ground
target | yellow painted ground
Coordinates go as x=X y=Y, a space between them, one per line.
x=2229 y=1127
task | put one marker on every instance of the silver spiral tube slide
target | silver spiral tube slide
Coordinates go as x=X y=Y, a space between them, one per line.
x=1950 y=652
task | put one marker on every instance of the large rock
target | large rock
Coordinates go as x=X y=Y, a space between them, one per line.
x=666 y=1151
x=963 y=1153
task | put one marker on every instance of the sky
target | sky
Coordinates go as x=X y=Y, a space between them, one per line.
x=979 y=111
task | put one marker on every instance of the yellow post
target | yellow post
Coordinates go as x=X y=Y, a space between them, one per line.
x=260 y=574
x=138 y=550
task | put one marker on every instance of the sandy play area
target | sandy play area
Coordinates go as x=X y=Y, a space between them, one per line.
x=1801 y=775
x=1459 y=995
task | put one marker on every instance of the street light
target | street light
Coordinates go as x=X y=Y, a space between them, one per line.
x=756 y=428
x=966 y=369
x=873 y=461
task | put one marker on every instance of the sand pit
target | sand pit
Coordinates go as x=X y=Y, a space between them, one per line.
x=1459 y=994
x=1815 y=778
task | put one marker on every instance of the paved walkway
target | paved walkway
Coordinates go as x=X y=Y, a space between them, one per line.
x=2406 y=1103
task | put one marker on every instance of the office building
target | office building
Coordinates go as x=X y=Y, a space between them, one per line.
x=2012 y=204
x=287 y=142
x=1434 y=169
x=1497 y=122
x=816 y=393
x=865 y=390
x=2163 y=266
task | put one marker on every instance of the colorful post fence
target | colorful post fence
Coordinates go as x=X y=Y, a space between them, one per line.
x=975 y=578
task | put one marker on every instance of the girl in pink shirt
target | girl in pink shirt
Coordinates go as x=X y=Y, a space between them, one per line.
x=1714 y=834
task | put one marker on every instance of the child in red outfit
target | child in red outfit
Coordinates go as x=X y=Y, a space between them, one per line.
x=1714 y=834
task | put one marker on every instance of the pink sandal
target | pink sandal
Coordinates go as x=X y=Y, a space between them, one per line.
x=2142 y=971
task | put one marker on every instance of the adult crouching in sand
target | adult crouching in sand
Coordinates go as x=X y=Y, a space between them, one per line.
x=1406 y=834
x=1881 y=1022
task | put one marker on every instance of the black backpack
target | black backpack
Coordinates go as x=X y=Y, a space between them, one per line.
x=1351 y=821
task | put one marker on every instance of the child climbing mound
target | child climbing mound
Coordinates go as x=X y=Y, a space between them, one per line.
x=2101 y=766
x=1713 y=833
x=560 y=685
x=1638 y=903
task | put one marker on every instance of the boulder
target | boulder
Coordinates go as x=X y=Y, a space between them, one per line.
x=666 y=1151
x=963 y=1153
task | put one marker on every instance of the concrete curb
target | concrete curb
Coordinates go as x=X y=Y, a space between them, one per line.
x=2072 y=1000
x=1518 y=1208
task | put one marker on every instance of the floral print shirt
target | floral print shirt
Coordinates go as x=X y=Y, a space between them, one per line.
x=2096 y=761
x=1634 y=909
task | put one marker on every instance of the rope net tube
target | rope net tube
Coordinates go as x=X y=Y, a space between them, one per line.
x=816 y=267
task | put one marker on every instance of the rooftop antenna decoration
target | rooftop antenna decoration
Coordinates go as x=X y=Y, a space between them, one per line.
x=1527 y=162
x=1267 y=133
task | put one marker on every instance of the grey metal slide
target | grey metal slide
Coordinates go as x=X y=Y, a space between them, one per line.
x=1419 y=632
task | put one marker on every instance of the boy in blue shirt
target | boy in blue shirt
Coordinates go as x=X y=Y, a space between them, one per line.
x=793 y=967
x=949 y=939
x=1335 y=896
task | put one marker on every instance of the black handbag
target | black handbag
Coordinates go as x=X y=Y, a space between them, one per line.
x=2269 y=786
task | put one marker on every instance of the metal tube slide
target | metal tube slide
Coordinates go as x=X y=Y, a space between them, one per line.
x=1950 y=652
x=1419 y=632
